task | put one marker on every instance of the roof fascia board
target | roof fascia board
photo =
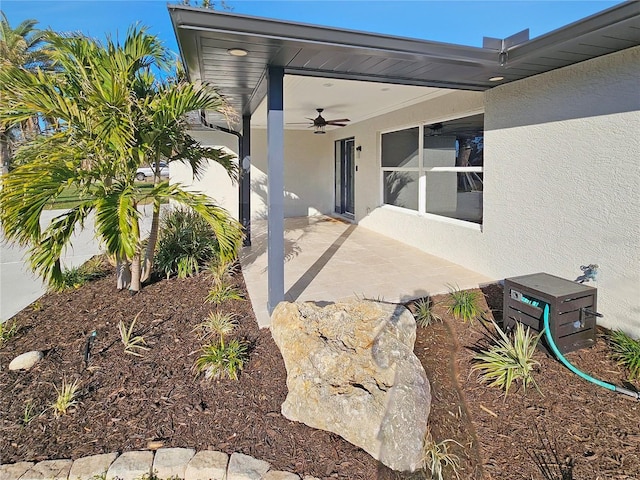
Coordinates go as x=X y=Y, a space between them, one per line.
x=618 y=14
x=214 y=21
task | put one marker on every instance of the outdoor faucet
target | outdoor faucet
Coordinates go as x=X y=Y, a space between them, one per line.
x=589 y=272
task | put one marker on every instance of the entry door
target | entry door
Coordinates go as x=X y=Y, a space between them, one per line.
x=345 y=176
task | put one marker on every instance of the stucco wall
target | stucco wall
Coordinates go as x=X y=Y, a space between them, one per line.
x=561 y=184
x=215 y=182
x=308 y=173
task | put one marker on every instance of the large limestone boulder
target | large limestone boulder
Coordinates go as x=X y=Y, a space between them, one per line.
x=351 y=370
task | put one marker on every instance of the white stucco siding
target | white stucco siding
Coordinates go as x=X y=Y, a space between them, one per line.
x=308 y=173
x=215 y=182
x=562 y=179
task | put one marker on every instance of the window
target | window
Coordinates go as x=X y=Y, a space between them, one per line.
x=400 y=165
x=436 y=169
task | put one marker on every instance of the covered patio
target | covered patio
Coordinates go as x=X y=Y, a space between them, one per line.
x=328 y=260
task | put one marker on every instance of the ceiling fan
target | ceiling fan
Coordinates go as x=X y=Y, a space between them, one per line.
x=319 y=123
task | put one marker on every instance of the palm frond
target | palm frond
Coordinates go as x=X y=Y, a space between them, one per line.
x=117 y=220
x=228 y=231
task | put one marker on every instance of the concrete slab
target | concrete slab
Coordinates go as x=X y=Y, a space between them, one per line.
x=329 y=260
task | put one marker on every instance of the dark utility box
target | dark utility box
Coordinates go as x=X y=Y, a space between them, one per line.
x=571 y=309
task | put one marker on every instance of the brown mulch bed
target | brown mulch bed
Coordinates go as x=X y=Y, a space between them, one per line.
x=127 y=401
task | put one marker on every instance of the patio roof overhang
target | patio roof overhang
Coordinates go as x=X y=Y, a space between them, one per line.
x=276 y=48
x=206 y=36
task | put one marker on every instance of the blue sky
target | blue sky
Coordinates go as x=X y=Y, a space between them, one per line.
x=462 y=22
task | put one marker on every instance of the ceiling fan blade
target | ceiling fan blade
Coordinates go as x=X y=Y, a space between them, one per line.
x=298 y=123
x=337 y=124
x=339 y=120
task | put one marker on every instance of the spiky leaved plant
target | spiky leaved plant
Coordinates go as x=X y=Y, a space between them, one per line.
x=464 y=304
x=626 y=351
x=436 y=458
x=218 y=359
x=424 y=313
x=509 y=360
x=66 y=397
x=132 y=343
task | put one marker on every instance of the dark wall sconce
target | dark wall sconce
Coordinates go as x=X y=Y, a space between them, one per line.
x=359 y=148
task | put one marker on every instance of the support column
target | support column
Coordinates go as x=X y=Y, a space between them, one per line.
x=275 y=186
x=245 y=179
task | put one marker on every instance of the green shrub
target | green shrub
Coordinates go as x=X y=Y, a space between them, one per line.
x=186 y=243
x=218 y=359
x=75 y=277
x=424 y=313
x=464 y=304
x=132 y=343
x=66 y=397
x=7 y=332
x=509 y=359
x=626 y=351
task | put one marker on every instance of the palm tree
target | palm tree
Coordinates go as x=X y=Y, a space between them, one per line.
x=19 y=47
x=112 y=115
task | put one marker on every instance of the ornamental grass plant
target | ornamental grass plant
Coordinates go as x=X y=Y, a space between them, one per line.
x=424 y=312
x=509 y=360
x=626 y=352
x=464 y=304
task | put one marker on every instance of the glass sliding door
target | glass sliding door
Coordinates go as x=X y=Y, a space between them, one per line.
x=345 y=167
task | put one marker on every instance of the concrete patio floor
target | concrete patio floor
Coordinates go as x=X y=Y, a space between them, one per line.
x=330 y=260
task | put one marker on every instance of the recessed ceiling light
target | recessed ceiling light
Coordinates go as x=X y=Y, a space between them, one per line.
x=496 y=79
x=327 y=84
x=238 y=52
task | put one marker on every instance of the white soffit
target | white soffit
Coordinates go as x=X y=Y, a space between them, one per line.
x=355 y=100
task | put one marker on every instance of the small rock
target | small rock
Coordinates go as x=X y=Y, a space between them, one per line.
x=172 y=462
x=244 y=467
x=154 y=445
x=12 y=471
x=92 y=466
x=131 y=465
x=26 y=360
x=207 y=465
x=49 y=470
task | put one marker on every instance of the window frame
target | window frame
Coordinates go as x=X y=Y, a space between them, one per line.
x=422 y=171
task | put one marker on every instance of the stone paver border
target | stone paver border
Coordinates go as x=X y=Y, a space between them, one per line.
x=174 y=463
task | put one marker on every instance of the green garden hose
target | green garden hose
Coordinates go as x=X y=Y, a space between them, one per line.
x=552 y=344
